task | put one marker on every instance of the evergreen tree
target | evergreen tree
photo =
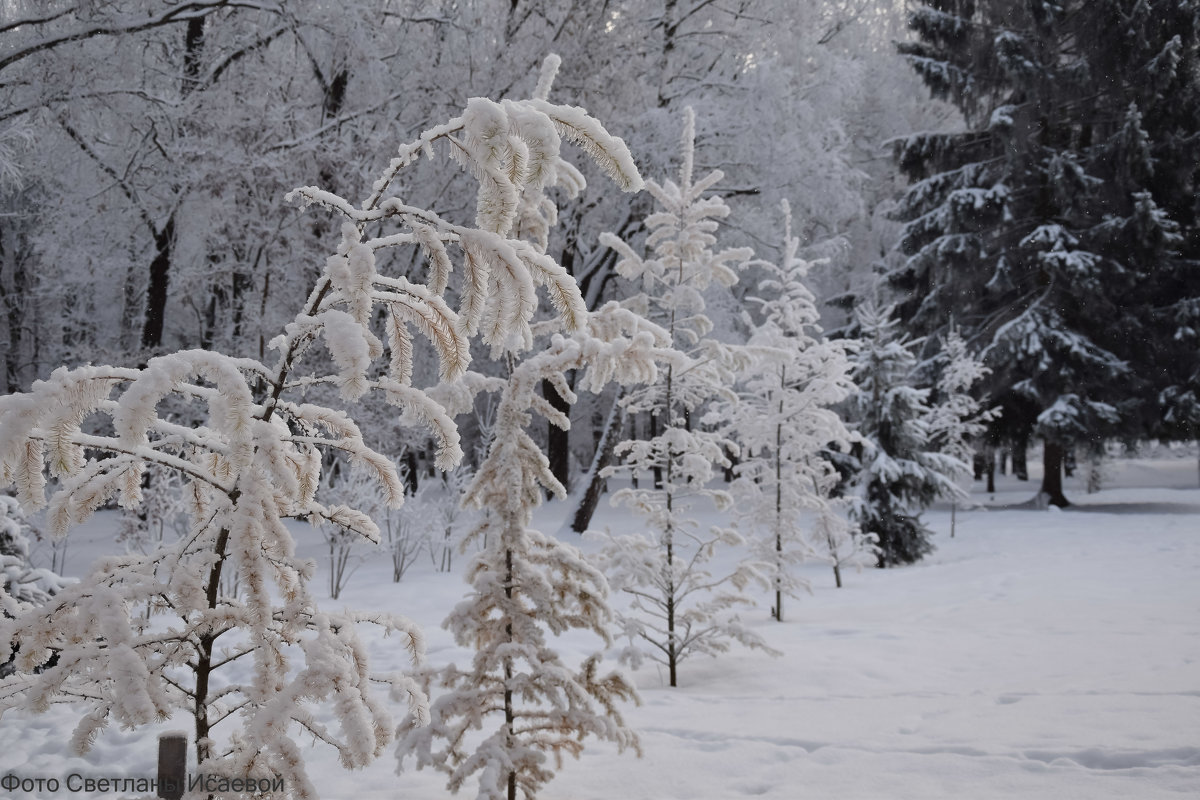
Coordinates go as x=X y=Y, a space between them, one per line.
x=900 y=474
x=678 y=607
x=1058 y=226
x=784 y=421
x=958 y=419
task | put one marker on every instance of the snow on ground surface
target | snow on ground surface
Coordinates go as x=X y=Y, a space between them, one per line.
x=1038 y=654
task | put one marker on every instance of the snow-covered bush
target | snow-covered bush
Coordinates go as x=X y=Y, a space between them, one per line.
x=438 y=516
x=253 y=459
x=357 y=489
x=21 y=584
x=678 y=608
x=784 y=421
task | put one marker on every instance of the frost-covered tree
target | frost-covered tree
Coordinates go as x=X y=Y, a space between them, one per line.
x=678 y=607
x=958 y=418
x=899 y=474
x=838 y=538
x=526 y=586
x=253 y=459
x=784 y=420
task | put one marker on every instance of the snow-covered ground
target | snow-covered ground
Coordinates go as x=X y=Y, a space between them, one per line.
x=1038 y=654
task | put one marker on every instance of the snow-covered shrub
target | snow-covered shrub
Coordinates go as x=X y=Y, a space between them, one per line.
x=438 y=516
x=21 y=584
x=401 y=542
x=678 y=607
x=253 y=459
x=351 y=488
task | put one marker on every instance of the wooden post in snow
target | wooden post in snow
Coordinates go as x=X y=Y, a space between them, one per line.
x=172 y=765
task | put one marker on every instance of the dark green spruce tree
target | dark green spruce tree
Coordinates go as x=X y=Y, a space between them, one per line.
x=1060 y=227
x=899 y=473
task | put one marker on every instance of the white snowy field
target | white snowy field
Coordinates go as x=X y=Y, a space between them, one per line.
x=1038 y=654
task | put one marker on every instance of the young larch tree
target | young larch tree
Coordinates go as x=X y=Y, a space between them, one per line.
x=678 y=608
x=785 y=420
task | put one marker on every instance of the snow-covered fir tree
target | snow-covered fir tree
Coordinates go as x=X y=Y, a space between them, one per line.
x=253 y=459
x=527 y=586
x=958 y=418
x=900 y=474
x=678 y=608
x=784 y=420
x=1059 y=227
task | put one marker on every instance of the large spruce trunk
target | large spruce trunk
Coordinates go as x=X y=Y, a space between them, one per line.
x=1052 y=463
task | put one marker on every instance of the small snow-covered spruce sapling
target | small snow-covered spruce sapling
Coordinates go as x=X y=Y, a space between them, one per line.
x=253 y=459
x=529 y=704
x=785 y=420
x=678 y=607
x=958 y=419
x=900 y=472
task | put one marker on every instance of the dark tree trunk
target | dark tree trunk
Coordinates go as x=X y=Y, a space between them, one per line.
x=1019 y=464
x=411 y=481
x=990 y=468
x=156 y=294
x=651 y=432
x=193 y=50
x=1052 y=461
x=558 y=441
x=243 y=285
x=17 y=310
x=603 y=456
x=633 y=435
